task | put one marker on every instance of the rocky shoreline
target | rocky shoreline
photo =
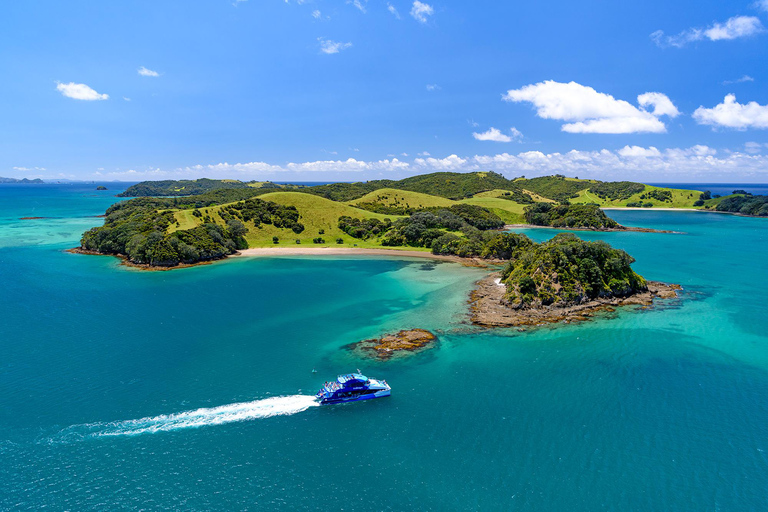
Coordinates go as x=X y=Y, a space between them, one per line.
x=489 y=309
x=507 y=227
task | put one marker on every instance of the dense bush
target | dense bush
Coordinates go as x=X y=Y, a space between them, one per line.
x=658 y=194
x=568 y=270
x=745 y=205
x=555 y=187
x=188 y=187
x=138 y=231
x=266 y=212
x=363 y=228
x=570 y=216
x=617 y=190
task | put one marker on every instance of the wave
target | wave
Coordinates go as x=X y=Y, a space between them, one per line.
x=231 y=413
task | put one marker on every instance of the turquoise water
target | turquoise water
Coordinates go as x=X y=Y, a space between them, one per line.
x=188 y=389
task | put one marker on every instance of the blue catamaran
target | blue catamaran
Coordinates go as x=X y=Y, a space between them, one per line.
x=352 y=387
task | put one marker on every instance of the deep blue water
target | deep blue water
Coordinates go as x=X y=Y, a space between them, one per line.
x=657 y=409
x=722 y=189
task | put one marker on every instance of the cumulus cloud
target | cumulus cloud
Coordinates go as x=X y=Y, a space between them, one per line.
x=630 y=162
x=330 y=47
x=449 y=163
x=732 y=114
x=495 y=135
x=762 y=5
x=79 y=92
x=590 y=111
x=391 y=8
x=734 y=28
x=639 y=152
x=420 y=11
x=147 y=72
x=433 y=87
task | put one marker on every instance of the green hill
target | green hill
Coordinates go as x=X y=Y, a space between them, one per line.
x=316 y=214
x=167 y=188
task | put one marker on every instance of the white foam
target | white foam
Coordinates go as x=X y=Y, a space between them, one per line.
x=244 y=411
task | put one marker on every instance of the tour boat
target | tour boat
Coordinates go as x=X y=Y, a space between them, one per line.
x=351 y=388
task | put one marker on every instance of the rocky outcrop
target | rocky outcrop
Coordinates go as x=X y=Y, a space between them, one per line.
x=390 y=345
x=489 y=308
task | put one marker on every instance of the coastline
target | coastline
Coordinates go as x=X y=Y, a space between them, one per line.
x=507 y=227
x=353 y=251
x=488 y=308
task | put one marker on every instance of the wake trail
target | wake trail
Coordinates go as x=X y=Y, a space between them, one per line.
x=231 y=413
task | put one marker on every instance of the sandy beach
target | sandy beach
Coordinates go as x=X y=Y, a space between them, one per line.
x=350 y=251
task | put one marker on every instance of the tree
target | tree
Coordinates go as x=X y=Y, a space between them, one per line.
x=275 y=240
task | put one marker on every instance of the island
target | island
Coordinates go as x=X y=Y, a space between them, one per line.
x=101 y=187
x=564 y=279
x=447 y=214
x=34 y=181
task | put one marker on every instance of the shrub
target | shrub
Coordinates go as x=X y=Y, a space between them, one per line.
x=339 y=240
x=275 y=240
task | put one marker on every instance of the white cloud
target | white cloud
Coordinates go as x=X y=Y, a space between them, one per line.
x=330 y=47
x=433 y=87
x=391 y=9
x=734 y=28
x=754 y=147
x=762 y=5
x=79 y=92
x=28 y=169
x=697 y=163
x=732 y=114
x=639 y=152
x=420 y=11
x=745 y=78
x=147 y=72
x=126 y=98
x=594 y=112
x=358 y=4
x=425 y=153
x=316 y=14
x=495 y=135
x=449 y=163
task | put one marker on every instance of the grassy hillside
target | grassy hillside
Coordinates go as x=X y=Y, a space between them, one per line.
x=402 y=198
x=316 y=214
x=509 y=211
x=679 y=198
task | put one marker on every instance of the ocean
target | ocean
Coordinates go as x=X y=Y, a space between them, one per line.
x=191 y=389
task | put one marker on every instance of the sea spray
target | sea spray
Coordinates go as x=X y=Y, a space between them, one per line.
x=231 y=413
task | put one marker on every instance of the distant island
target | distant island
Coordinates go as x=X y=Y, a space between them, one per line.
x=101 y=187
x=36 y=181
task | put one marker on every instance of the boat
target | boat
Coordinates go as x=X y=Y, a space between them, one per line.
x=351 y=388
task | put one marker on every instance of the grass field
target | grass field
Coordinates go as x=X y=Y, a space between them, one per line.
x=317 y=213
x=680 y=198
x=403 y=199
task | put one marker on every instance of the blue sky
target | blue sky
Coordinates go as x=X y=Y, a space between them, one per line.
x=318 y=90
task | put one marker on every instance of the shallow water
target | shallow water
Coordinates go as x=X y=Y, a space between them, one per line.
x=189 y=389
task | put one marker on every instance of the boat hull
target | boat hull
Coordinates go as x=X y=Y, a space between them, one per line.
x=368 y=396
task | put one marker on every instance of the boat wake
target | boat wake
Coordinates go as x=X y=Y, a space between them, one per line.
x=231 y=413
